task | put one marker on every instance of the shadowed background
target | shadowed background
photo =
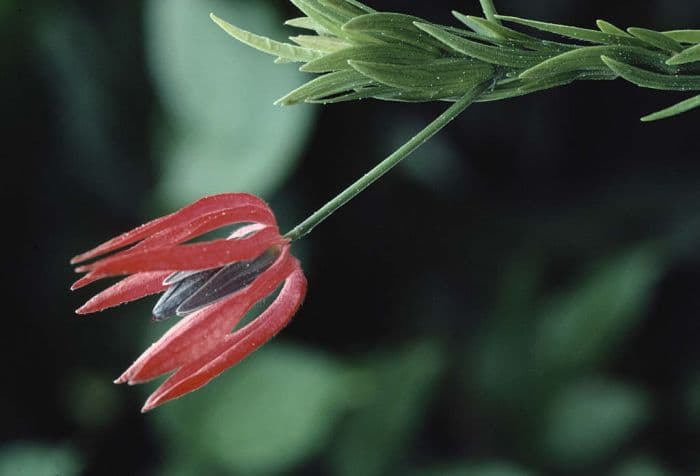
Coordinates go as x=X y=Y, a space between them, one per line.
x=520 y=297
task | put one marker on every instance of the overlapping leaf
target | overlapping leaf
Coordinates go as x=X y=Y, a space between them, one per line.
x=361 y=53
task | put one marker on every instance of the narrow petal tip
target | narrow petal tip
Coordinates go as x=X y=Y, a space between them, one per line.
x=152 y=402
x=82 y=310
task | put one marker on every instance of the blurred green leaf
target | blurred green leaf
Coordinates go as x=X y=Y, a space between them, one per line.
x=263 y=417
x=590 y=419
x=91 y=399
x=640 y=466
x=480 y=469
x=37 y=459
x=223 y=132
x=376 y=434
x=692 y=400
x=580 y=327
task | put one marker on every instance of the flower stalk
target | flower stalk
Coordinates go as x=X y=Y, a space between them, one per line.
x=387 y=164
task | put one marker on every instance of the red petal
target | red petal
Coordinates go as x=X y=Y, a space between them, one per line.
x=202 y=331
x=128 y=289
x=256 y=209
x=187 y=257
x=236 y=346
x=198 y=227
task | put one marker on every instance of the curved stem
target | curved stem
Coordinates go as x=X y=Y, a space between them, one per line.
x=489 y=11
x=387 y=164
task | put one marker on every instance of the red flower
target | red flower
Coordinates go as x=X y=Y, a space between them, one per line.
x=213 y=284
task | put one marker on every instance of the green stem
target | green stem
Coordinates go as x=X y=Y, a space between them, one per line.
x=387 y=164
x=489 y=11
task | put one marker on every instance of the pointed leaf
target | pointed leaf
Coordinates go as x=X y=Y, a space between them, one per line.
x=326 y=44
x=393 y=26
x=684 y=36
x=656 y=39
x=306 y=23
x=371 y=53
x=362 y=93
x=266 y=45
x=347 y=8
x=503 y=56
x=587 y=59
x=674 y=110
x=647 y=79
x=324 y=16
x=688 y=55
x=327 y=85
x=581 y=34
x=438 y=79
x=607 y=27
x=503 y=35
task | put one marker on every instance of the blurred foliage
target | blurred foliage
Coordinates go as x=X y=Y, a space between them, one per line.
x=401 y=385
x=33 y=459
x=221 y=131
x=517 y=300
x=481 y=469
x=286 y=397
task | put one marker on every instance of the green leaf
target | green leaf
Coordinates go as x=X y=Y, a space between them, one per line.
x=590 y=420
x=580 y=327
x=398 y=388
x=581 y=34
x=438 y=79
x=674 y=110
x=502 y=56
x=562 y=79
x=395 y=27
x=346 y=8
x=656 y=39
x=328 y=19
x=267 y=415
x=495 y=468
x=215 y=93
x=640 y=466
x=589 y=59
x=324 y=86
x=266 y=45
x=326 y=44
x=38 y=459
x=684 y=36
x=360 y=6
x=361 y=93
x=306 y=23
x=389 y=54
x=648 y=79
x=609 y=28
x=688 y=55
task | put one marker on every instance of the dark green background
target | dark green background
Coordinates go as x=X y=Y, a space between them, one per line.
x=519 y=298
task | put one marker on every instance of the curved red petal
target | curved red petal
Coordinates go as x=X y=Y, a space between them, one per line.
x=202 y=331
x=215 y=203
x=187 y=257
x=236 y=346
x=200 y=226
x=128 y=289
